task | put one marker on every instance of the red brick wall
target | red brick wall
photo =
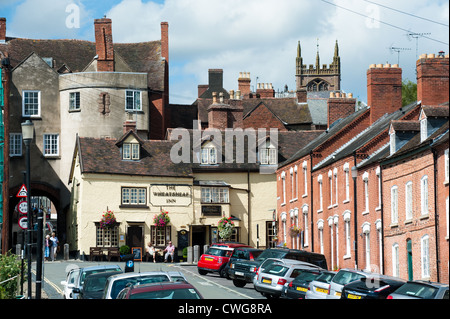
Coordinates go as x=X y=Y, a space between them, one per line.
x=2 y=29
x=339 y=107
x=432 y=80
x=261 y=117
x=384 y=90
x=104 y=45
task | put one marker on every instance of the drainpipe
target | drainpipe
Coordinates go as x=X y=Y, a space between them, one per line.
x=436 y=214
x=382 y=220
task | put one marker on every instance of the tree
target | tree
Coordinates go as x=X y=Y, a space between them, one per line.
x=409 y=92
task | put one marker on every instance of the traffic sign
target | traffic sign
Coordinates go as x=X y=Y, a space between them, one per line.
x=23 y=222
x=22 y=192
x=22 y=207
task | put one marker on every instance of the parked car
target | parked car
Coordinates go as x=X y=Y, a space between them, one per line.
x=162 y=290
x=420 y=290
x=343 y=277
x=272 y=279
x=374 y=287
x=243 y=271
x=229 y=244
x=319 y=287
x=214 y=260
x=116 y=283
x=242 y=253
x=298 y=287
x=75 y=278
x=94 y=285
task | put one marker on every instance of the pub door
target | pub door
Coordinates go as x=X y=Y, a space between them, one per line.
x=135 y=237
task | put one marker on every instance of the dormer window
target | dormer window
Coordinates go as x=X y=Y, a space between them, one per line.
x=209 y=155
x=392 y=142
x=130 y=151
x=268 y=154
x=423 y=129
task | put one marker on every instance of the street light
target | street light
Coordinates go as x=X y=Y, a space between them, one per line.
x=355 y=208
x=27 y=136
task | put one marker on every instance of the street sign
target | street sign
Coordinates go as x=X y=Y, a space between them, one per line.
x=22 y=207
x=23 y=222
x=22 y=192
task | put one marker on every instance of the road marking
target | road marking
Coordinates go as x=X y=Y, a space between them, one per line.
x=213 y=283
x=58 y=290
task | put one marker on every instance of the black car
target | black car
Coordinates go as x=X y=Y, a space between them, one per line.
x=299 y=286
x=242 y=253
x=94 y=285
x=376 y=287
x=243 y=271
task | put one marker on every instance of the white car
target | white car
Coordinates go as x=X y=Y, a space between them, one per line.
x=75 y=278
x=343 y=277
x=319 y=287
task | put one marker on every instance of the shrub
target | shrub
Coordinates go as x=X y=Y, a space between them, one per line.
x=10 y=266
x=124 y=250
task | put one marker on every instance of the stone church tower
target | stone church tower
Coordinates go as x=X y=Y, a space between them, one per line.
x=316 y=78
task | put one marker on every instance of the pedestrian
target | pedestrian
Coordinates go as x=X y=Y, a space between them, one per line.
x=151 y=251
x=54 y=249
x=170 y=249
x=48 y=244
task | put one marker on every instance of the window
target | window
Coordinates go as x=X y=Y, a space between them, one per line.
x=283 y=181
x=215 y=195
x=366 y=192
x=305 y=178
x=209 y=155
x=31 y=104
x=347 y=217
x=392 y=143
x=330 y=183
x=268 y=156
x=335 y=185
x=15 y=144
x=394 y=205
x=107 y=237
x=51 y=144
x=424 y=194
x=271 y=235
x=378 y=173
x=306 y=225
x=446 y=161
x=160 y=236
x=134 y=196
x=133 y=100
x=347 y=182
x=395 y=261
x=74 y=101
x=319 y=179
x=408 y=200
x=425 y=256
x=423 y=130
x=130 y=151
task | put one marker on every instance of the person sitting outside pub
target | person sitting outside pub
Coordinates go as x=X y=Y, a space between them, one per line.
x=169 y=250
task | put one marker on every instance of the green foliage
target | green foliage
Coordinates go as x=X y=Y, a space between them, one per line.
x=10 y=266
x=409 y=92
x=124 y=250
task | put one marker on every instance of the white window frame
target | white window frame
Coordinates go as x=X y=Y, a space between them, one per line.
x=378 y=173
x=131 y=151
x=15 y=144
x=424 y=205
x=392 y=143
x=136 y=104
x=330 y=182
x=446 y=162
x=283 y=181
x=134 y=196
x=335 y=173
x=423 y=129
x=319 y=179
x=394 y=205
x=366 y=192
x=74 y=101
x=53 y=139
x=425 y=256
x=215 y=195
x=347 y=182
x=208 y=155
x=24 y=104
x=395 y=260
x=408 y=201
x=305 y=177
x=268 y=156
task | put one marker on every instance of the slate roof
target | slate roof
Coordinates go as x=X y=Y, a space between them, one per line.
x=77 y=54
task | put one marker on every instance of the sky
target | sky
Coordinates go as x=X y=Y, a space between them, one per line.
x=256 y=36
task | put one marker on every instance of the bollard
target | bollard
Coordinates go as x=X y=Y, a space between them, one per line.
x=205 y=248
x=190 y=255
x=196 y=253
x=66 y=251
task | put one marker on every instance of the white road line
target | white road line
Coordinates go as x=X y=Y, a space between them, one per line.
x=214 y=283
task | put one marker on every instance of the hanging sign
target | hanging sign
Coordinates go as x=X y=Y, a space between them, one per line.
x=22 y=207
x=22 y=192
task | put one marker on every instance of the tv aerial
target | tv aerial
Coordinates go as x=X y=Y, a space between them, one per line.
x=414 y=35
x=398 y=50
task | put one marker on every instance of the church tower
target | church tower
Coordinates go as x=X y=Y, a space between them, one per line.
x=316 y=78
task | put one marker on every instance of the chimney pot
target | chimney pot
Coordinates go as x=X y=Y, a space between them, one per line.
x=214 y=96
x=232 y=94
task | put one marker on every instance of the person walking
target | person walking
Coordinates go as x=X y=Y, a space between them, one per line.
x=170 y=249
x=54 y=247
x=48 y=243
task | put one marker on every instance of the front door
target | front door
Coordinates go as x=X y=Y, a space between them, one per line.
x=409 y=257
x=135 y=237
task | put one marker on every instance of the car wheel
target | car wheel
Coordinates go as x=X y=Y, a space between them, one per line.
x=223 y=273
x=202 y=272
x=239 y=283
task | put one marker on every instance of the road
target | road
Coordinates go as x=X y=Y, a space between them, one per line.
x=211 y=286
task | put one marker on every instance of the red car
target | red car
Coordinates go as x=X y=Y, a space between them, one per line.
x=161 y=290
x=216 y=258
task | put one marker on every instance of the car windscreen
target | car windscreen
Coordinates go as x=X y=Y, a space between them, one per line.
x=95 y=283
x=240 y=254
x=218 y=252
x=119 y=284
x=307 y=276
x=276 y=269
x=344 y=277
x=325 y=277
x=417 y=290
x=187 y=293
x=271 y=253
x=90 y=272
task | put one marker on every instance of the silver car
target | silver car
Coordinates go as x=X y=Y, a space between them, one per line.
x=343 y=277
x=319 y=287
x=420 y=290
x=271 y=279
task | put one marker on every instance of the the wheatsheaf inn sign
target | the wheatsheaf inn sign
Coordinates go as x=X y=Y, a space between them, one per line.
x=170 y=195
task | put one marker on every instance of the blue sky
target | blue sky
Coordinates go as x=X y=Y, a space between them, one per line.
x=256 y=36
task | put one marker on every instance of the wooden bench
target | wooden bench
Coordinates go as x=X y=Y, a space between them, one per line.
x=113 y=252
x=95 y=252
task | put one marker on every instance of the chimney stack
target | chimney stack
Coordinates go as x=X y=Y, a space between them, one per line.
x=165 y=41
x=384 y=90
x=340 y=105
x=129 y=124
x=104 y=45
x=265 y=90
x=2 y=30
x=244 y=84
x=432 y=79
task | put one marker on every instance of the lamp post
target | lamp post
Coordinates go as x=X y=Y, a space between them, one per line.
x=27 y=136
x=355 y=207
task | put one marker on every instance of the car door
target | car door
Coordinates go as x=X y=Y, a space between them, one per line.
x=72 y=278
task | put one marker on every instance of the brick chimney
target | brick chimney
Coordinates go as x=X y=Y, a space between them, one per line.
x=340 y=105
x=104 y=45
x=432 y=79
x=265 y=90
x=2 y=30
x=222 y=115
x=244 y=84
x=129 y=124
x=384 y=89
x=165 y=40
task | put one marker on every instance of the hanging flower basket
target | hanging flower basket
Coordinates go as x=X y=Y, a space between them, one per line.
x=294 y=231
x=225 y=227
x=162 y=219
x=108 y=220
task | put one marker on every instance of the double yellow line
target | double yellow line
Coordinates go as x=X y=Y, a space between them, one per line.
x=58 y=290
